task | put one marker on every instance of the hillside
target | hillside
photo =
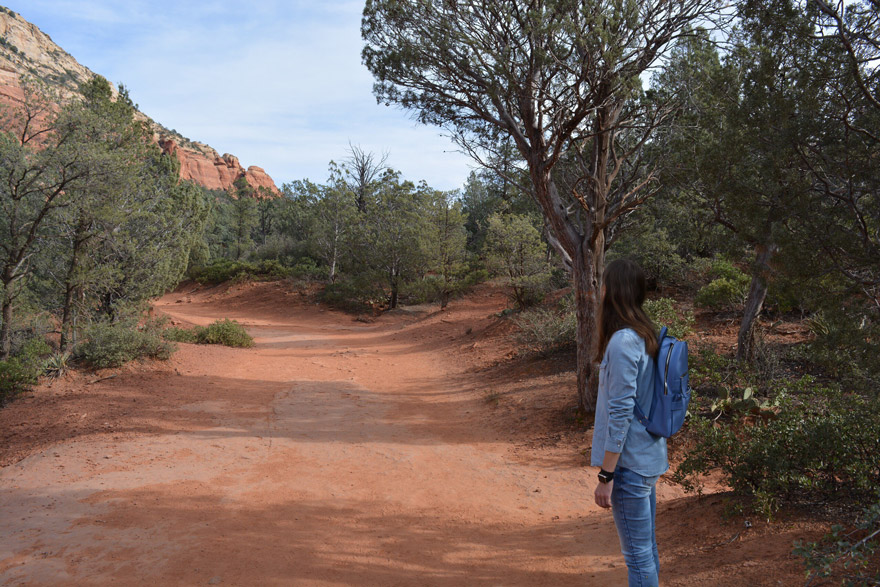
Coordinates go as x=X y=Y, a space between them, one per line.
x=26 y=50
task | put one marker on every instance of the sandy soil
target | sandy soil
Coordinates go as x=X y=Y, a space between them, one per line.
x=411 y=449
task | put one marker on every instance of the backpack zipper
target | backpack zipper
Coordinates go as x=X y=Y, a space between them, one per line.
x=666 y=373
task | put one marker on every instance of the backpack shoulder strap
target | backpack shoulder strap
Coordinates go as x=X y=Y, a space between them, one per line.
x=637 y=410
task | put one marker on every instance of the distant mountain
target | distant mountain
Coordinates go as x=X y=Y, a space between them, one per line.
x=25 y=49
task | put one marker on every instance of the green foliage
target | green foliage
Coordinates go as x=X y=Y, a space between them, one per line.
x=225 y=332
x=188 y=335
x=394 y=234
x=15 y=377
x=723 y=293
x=357 y=295
x=846 y=343
x=547 y=330
x=515 y=251
x=849 y=554
x=651 y=247
x=223 y=270
x=445 y=244
x=819 y=445
x=58 y=364
x=22 y=371
x=110 y=345
x=722 y=268
x=662 y=312
x=308 y=268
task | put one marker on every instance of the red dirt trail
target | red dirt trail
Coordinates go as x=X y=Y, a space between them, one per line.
x=334 y=452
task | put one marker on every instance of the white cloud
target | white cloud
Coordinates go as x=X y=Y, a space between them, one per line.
x=279 y=84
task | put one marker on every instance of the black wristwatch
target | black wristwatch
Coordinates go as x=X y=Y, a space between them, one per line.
x=605 y=476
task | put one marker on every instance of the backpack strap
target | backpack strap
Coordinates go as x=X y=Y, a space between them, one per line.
x=637 y=411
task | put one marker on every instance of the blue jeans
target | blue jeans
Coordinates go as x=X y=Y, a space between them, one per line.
x=634 y=505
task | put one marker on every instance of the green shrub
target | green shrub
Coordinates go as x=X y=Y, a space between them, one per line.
x=189 y=335
x=58 y=364
x=308 y=268
x=226 y=332
x=723 y=293
x=431 y=288
x=23 y=370
x=817 y=446
x=422 y=291
x=718 y=267
x=224 y=270
x=356 y=295
x=662 y=312
x=849 y=554
x=846 y=345
x=545 y=330
x=15 y=377
x=514 y=251
x=33 y=352
x=114 y=344
x=652 y=249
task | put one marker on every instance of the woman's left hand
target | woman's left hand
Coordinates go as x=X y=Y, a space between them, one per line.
x=603 y=494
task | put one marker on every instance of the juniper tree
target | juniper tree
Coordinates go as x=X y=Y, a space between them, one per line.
x=555 y=77
x=41 y=161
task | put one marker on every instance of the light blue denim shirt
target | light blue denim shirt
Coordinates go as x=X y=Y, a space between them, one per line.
x=626 y=375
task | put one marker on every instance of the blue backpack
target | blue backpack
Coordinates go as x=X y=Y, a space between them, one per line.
x=672 y=393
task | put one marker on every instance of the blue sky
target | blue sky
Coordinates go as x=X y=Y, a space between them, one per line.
x=277 y=83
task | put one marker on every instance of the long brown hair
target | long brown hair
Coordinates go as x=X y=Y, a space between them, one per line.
x=621 y=306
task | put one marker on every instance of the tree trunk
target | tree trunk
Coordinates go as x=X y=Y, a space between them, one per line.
x=67 y=317
x=332 y=276
x=6 y=327
x=70 y=290
x=6 y=312
x=392 y=302
x=586 y=279
x=745 y=342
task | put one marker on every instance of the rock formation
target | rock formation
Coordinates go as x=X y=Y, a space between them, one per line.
x=213 y=171
x=26 y=50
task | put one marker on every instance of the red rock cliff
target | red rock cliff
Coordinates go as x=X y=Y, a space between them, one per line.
x=213 y=171
x=26 y=49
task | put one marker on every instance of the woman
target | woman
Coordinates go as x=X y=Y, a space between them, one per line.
x=631 y=459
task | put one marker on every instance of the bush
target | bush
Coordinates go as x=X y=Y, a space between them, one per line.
x=662 y=312
x=20 y=372
x=15 y=377
x=723 y=293
x=188 y=335
x=422 y=291
x=846 y=345
x=431 y=288
x=822 y=445
x=226 y=332
x=544 y=330
x=514 y=250
x=652 y=249
x=114 y=344
x=308 y=268
x=355 y=295
x=227 y=270
x=723 y=268
x=847 y=553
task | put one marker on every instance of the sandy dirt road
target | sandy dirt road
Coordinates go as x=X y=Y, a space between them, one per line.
x=334 y=452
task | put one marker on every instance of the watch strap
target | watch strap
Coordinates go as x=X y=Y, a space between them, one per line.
x=606 y=476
